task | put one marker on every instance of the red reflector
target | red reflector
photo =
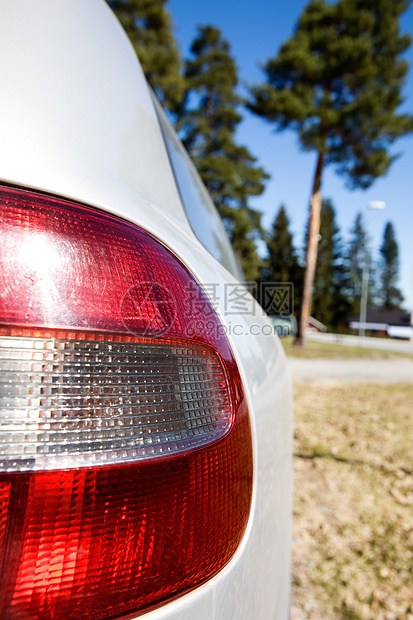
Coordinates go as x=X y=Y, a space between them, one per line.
x=96 y=543
x=125 y=444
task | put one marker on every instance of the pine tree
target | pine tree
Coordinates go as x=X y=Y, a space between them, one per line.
x=337 y=81
x=149 y=28
x=207 y=124
x=282 y=264
x=354 y=264
x=329 y=298
x=391 y=296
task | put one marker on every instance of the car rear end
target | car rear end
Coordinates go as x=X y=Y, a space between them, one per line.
x=145 y=421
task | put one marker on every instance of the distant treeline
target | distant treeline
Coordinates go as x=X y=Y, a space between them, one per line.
x=338 y=278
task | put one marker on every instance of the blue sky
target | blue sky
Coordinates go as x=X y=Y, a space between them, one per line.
x=255 y=30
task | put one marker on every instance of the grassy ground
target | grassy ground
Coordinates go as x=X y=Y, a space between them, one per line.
x=353 y=511
x=328 y=350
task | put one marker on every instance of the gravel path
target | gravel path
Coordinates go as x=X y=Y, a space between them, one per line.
x=357 y=370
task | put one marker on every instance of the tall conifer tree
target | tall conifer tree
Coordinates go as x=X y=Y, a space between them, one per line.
x=329 y=297
x=207 y=124
x=355 y=262
x=355 y=258
x=149 y=28
x=338 y=81
x=282 y=264
x=391 y=296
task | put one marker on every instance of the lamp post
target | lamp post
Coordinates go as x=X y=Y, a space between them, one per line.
x=377 y=205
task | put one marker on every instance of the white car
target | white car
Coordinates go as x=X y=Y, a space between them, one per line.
x=146 y=411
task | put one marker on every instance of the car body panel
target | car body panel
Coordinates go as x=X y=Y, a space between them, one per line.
x=77 y=124
x=77 y=121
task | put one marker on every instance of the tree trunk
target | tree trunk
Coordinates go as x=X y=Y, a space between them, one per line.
x=311 y=254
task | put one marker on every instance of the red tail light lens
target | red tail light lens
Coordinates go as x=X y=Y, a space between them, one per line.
x=125 y=446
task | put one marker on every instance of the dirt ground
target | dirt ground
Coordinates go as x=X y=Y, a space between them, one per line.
x=353 y=510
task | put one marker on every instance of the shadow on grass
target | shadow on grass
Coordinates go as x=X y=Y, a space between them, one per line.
x=350 y=461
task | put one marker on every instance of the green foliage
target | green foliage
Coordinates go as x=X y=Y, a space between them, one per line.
x=149 y=28
x=207 y=122
x=282 y=259
x=338 y=82
x=355 y=260
x=391 y=297
x=282 y=264
x=330 y=303
x=244 y=228
x=354 y=263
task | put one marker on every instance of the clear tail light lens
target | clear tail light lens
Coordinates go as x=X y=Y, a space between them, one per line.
x=125 y=446
x=104 y=399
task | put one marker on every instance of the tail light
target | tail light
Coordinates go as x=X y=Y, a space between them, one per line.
x=125 y=447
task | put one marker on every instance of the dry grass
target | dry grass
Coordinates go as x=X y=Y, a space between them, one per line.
x=329 y=350
x=353 y=532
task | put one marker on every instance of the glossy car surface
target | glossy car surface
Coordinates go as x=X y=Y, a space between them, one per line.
x=77 y=121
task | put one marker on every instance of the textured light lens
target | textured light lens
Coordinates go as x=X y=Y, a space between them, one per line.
x=66 y=402
x=125 y=443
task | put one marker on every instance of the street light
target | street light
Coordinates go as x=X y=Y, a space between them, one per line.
x=377 y=205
